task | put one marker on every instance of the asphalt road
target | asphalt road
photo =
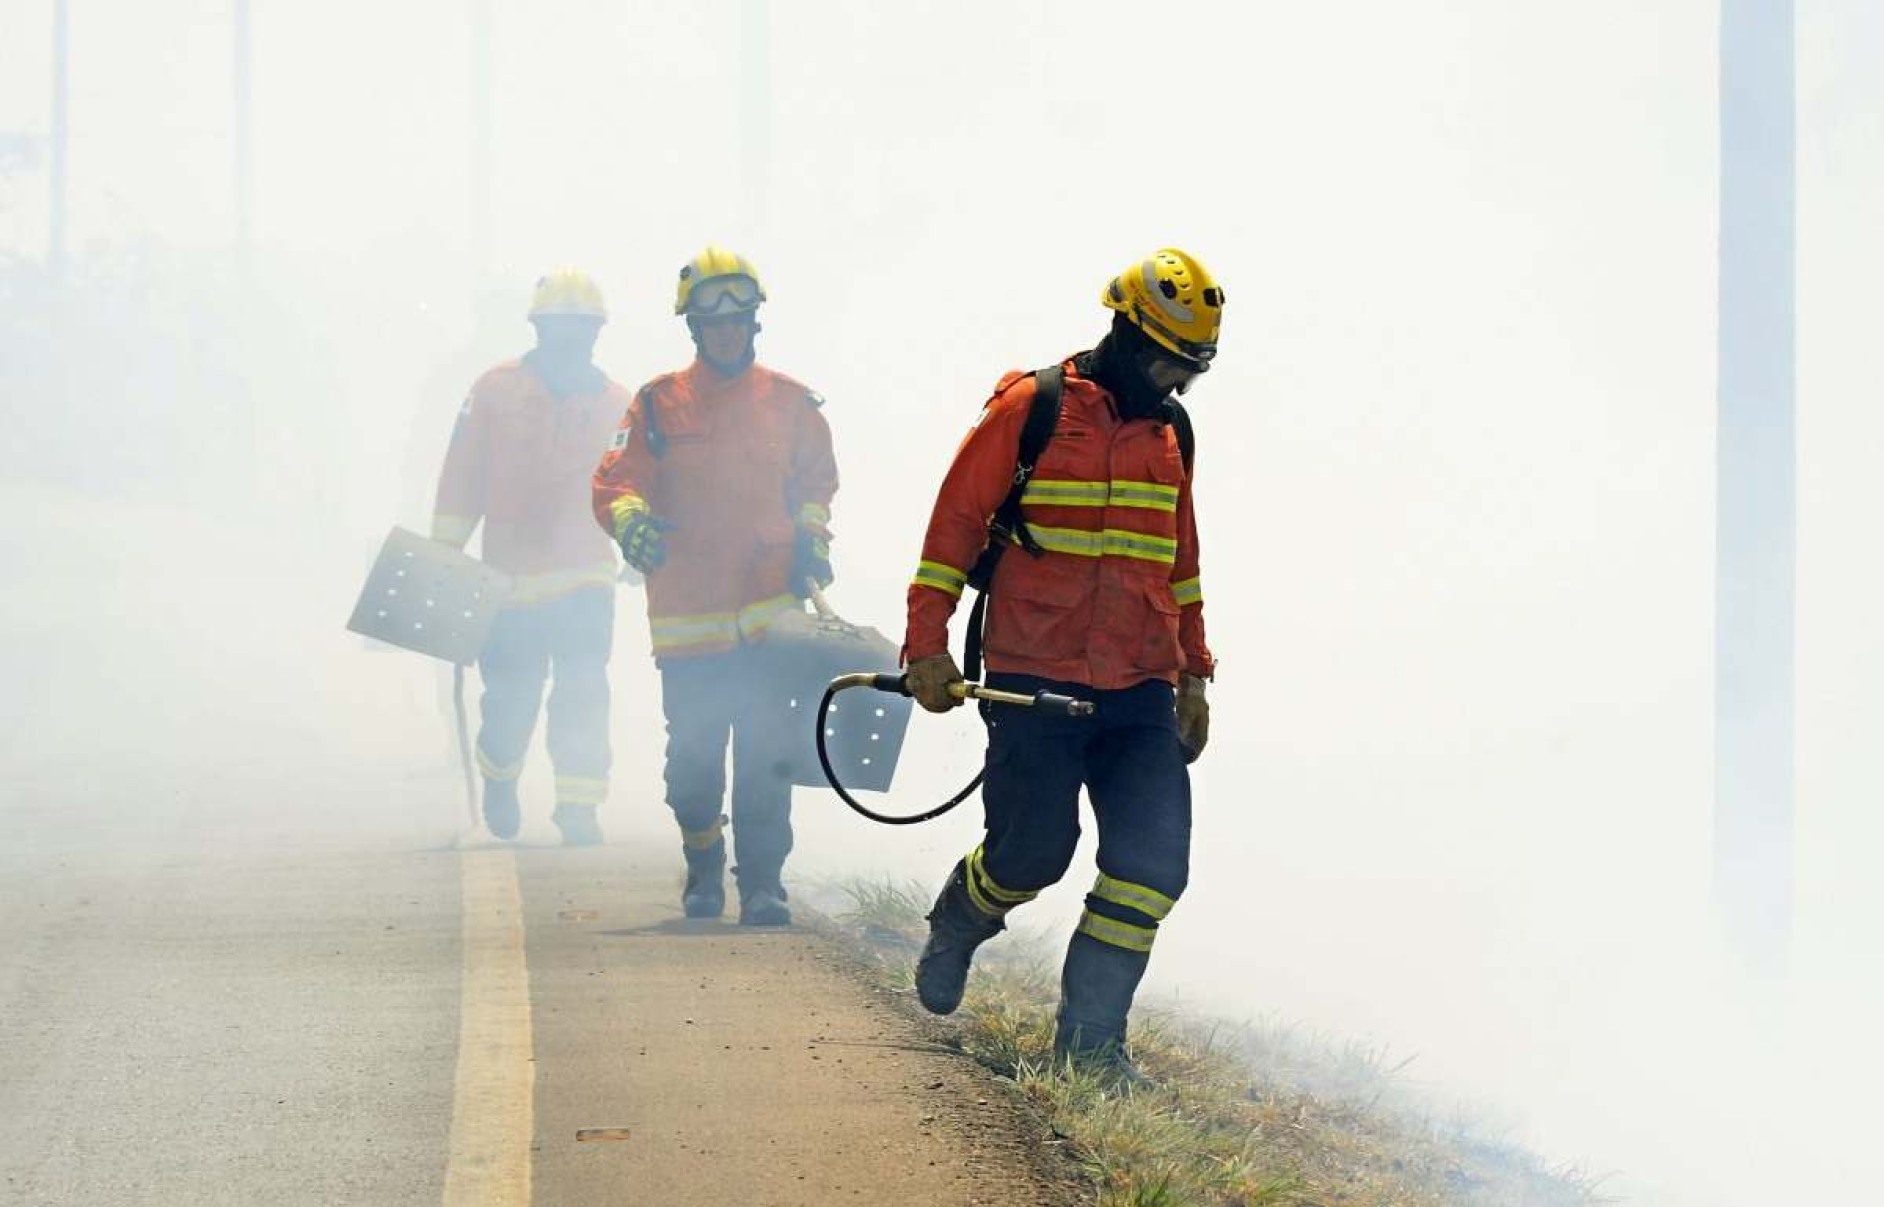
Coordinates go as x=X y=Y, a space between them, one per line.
x=375 y=1019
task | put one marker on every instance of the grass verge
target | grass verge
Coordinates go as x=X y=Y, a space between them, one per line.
x=1248 y=1115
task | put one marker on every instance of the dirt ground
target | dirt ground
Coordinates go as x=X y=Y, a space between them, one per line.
x=748 y=1066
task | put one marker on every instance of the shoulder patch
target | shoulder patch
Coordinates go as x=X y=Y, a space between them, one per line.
x=622 y=436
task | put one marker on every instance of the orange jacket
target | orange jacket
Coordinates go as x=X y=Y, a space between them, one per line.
x=747 y=462
x=1116 y=598
x=520 y=461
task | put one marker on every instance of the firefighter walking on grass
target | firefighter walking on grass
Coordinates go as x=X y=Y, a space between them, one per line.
x=519 y=461
x=1101 y=601
x=718 y=488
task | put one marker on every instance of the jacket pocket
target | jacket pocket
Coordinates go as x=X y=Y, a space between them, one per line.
x=1159 y=649
x=1040 y=614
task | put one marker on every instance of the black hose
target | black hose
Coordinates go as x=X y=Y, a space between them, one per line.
x=830 y=772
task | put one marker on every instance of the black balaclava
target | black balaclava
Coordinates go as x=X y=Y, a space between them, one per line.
x=731 y=368
x=563 y=359
x=1118 y=365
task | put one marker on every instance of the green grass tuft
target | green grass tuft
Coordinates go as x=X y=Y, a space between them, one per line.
x=1251 y=1115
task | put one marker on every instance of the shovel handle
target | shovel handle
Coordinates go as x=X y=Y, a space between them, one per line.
x=819 y=603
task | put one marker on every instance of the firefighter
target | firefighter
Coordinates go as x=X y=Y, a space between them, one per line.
x=520 y=459
x=718 y=488
x=1104 y=604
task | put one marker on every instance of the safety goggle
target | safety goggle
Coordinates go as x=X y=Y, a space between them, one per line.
x=724 y=295
x=1194 y=356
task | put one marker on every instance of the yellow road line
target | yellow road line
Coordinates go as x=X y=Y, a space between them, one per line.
x=492 y=1113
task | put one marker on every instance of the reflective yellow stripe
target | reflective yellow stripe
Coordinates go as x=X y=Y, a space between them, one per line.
x=491 y=769
x=621 y=509
x=554 y=584
x=1113 y=542
x=670 y=632
x=676 y=632
x=1120 y=543
x=943 y=578
x=757 y=618
x=814 y=515
x=1143 y=898
x=581 y=790
x=983 y=888
x=1152 y=495
x=1190 y=591
x=1047 y=492
x=1115 y=933
x=1080 y=542
x=1120 y=492
x=700 y=840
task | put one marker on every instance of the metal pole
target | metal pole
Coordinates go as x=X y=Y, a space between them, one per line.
x=480 y=159
x=1755 y=485
x=61 y=88
x=241 y=172
x=755 y=115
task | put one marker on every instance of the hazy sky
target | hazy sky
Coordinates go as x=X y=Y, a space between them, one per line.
x=1456 y=478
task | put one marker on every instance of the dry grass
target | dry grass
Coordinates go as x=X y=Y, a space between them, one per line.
x=1250 y=1116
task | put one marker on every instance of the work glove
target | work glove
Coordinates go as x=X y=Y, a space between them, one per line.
x=643 y=541
x=928 y=680
x=811 y=559
x=1193 y=716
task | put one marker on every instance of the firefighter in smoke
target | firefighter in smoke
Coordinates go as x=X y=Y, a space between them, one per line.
x=1103 y=604
x=520 y=459
x=718 y=487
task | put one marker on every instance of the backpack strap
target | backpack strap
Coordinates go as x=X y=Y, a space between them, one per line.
x=1008 y=527
x=1179 y=418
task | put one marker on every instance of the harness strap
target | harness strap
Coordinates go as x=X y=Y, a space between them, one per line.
x=1008 y=527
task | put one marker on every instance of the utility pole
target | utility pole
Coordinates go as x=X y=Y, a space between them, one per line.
x=61 y=90
x=1755 y=493
x=755 y=115
x=241 y=177
x=480 y=159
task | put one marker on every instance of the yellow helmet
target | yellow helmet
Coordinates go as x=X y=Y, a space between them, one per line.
x=718 y=281
x=567 y=291
x=1174 y=300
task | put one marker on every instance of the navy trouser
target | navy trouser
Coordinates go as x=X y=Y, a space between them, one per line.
x=569 y=637
x=1128 y=758
x=708 y=698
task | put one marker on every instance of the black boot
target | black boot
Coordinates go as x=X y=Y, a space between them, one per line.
x=578 y=824
x=762 y=900
x=705 y=894
x=956 y=928
x=502 y=812
x=1096 y=989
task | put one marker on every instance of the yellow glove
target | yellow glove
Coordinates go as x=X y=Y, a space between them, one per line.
x=1193 y=716
x=928 y=680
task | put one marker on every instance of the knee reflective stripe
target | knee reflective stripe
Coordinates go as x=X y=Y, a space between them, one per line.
x=700 y=840
x=581 y=790
x=1146 y=900
x=1114 y=933
x=989 y=897
x=491 y=769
